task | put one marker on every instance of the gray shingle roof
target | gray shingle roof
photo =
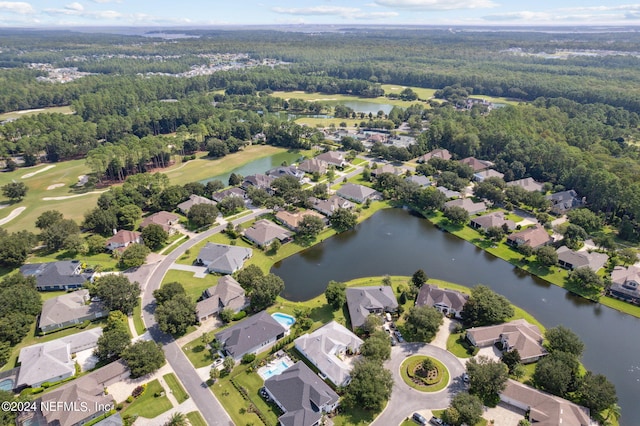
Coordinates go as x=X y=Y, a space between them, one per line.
x=300 y=392
x=231 y=192
x=52 y=274
x=430 y=295
x=192 y=201
x=528 y=184
x=493 y=219
x=249 y=333
x=223 y=258
x=356 y=192
x=361 y=301
x=581 y=259
x=68 y=307
x=468 y=204
x=263 y=232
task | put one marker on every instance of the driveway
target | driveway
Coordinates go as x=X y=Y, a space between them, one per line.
x=198 y=271
x=405 y=400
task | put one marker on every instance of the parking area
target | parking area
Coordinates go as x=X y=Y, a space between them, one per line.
x=504 y=415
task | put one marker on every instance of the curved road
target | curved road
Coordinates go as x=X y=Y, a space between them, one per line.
x=405 y=400
x=206 y=402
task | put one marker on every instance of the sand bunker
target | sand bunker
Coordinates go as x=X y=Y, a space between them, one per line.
x=44 y=169
x=12 y=215
x=54 y=186
x=66 y=197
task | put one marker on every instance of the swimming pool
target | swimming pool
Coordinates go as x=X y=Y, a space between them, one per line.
x=285 y=320
x=6 y=384
x=274 y=370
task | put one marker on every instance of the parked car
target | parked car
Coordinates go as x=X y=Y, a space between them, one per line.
x=392 y=340
x=465 y=378
x=419 y=418
x=399 y=336
x=436 y=421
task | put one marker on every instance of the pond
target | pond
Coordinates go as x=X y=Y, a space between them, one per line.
x=364 y=106
x=260 y=165
x=396 y=242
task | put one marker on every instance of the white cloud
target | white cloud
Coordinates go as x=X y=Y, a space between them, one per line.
x=20 y=7
x=519 y=16
x=437 y=4
x=107 y=1
x=343 y=12
x=74 y=6
x=623 y=7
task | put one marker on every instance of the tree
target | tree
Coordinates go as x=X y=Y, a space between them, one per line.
x=495 y=233
x=96 y=244
x=371 y=323
x=274 y=247
x=116 y=292
x=101 y=221
x=418 y=278
x=128 y=216
x=143 y=357
x=230 y=205
x=546 y=256
x=377 y=346
x=235 y=179
x=168 y=291
x=465 y=409
x=511 y=359
x=175 y=315
x=309 y=228
x=48 y=218
x=226 y=315
x=15 y=191
x=201 y=215
x=57 y=234
x=423 y=322
x=177 y=419
x=487 y=378
x=557 y=373
x=154 y=236
x=486 y=307
x=134 y=255
x=342 y=220
x=585 y=219
x=370 y=386
x=456 y=215
x=562 y=339
x=249 y=276
x=628 y=256
x=265 y=292
x=586 y=278
x=228 y=364
x=574 y=236
x=15 y=247
x=336 y=294
x=114 y=339
x=596 y=392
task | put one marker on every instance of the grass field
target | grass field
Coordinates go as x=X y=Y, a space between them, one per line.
x=148 y=405
x=28 y=112
x=337 y=98
x=176 y=387
x=196 y=419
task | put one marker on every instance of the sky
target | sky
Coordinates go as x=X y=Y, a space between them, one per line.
x=48 y=13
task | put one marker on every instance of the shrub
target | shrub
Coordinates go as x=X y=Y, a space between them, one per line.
x=248 y=358
x=119 y=406
x=129 y=399
x=240 y=315
x=139 y=390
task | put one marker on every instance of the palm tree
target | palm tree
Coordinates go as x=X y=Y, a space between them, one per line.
x=615 y=411
x=177 y=419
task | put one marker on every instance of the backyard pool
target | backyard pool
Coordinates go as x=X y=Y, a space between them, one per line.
x=285 y=320
x=6 y=385
x=275 y=368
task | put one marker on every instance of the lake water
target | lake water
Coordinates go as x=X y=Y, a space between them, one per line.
x=260 y=165
x=395 y=242
x=364 y=106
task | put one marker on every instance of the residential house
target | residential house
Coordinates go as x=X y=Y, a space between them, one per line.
x=529 y=184
x=449 y=302
x=448 y=192
x=314 y=165
x=52 y=361
x=385 y=168
x=362 y=301
x=625 y=284
x=222 y=258
x=286 y=171
x=443 y=154
x=333 y=158
x=85 y=397
x=258 y=181
x=485 y=174
x=533 y=237
x=62 y=275
x=292 y=220
x=227 y=294
x=468 y=204
x=251 y=335
x=493 y=219
x=545 y=409
x=165 y=219
x=301 y=395
x=419 y=180
x=327 y=207
x=571 y=260
x=475 y=164
x=327 y=349
x=69 y=309
x=518 y=334
x=122 y=239
x=263 y=232
x=562 y=202
x=192 y=201
x=231 y=192
x=357 y=193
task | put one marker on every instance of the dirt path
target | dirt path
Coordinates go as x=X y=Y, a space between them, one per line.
x=44 y=169
x=12 y=215
x=66 y=197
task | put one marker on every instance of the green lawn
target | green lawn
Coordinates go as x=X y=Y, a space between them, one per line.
x=28 y=112
x=443 y=371
x=137 y=319
x=148 y=405
x=192 y=285
x=196 y=419
x=176 y=387
x=198 y=353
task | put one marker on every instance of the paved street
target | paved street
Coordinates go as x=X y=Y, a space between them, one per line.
x=203 y=398
x=405 y=400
